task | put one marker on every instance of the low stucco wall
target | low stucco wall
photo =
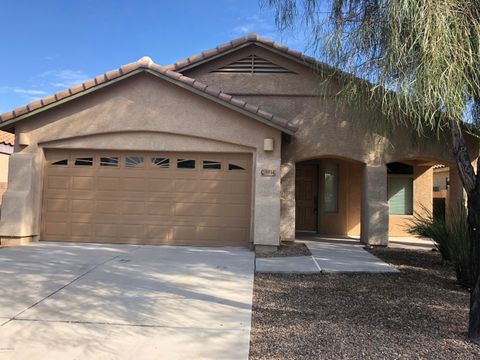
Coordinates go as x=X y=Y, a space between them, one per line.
x=147 y=114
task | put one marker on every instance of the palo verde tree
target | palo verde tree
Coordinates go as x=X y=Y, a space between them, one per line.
x=421 y=63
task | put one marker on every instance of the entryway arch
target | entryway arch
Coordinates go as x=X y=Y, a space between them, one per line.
x=328 y=196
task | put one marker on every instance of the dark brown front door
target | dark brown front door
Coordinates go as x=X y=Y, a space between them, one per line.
x=306 y=197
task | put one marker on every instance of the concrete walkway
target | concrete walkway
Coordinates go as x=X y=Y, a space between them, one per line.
x=72 y=301
x=326 y=257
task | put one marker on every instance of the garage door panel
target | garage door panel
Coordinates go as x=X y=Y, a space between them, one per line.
x=159 y=185
x=216 y=186
x=106 y=230
x=132 y=231
x=133 y=184
x=53 y=216
x=184 y=232
x=54 y=205
x=56 y=228
x=108 y=183
x=183 y=185
x=83 y=183
x=83 y=206
x=236 y=199
x=153 y=232
x=237 y=187
x=232 y=210
x=81 y=229
x=58 y=182
x=87 y=218
x=210 y=233
x=159 y=208
x=236 y=234
x=139 y=201
x=196 y=209
x=131 y=219
x=132 y=208
x=107 y=207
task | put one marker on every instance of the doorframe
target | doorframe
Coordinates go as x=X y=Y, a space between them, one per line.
x=317 y=165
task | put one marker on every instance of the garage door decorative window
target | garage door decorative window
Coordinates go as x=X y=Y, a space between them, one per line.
x=133 y=161
x=213 y=165
x=84 y=161
x=185 y=164
x=161 y=162
x=109 y=161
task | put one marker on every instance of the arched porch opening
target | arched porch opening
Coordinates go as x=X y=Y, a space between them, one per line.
x=419 y=187
x=328 y=197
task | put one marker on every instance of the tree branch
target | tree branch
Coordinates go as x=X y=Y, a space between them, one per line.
x=464 y=165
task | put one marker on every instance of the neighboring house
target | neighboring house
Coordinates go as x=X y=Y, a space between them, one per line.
x=235 y=145
x=6 y=149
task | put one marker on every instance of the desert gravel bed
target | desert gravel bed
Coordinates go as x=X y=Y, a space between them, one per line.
x=295 y=249
x=418 y=314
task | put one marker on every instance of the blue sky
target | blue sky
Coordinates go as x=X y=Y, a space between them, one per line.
x=50 y=45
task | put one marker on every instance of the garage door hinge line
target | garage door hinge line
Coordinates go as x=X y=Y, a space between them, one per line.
x=62 y=287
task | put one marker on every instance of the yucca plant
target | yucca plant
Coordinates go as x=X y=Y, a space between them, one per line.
x=451 y=239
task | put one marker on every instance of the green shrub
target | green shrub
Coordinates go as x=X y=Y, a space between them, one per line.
x=451 y=238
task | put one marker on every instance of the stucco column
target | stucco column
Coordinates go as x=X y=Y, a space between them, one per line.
x=266 y=230
x=19 y=221
x=374 y=230
x=287 y=210
x=423 y=190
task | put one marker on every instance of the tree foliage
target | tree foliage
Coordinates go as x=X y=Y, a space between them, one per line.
x=421 y=57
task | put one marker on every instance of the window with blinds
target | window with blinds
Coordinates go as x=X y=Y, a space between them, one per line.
x=400 y=194
x=253 y=64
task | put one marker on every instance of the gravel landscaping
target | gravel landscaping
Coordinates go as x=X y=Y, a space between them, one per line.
x=420 y=313
x=293 y=249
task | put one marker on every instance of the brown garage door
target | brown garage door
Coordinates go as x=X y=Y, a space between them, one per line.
x=151 y=198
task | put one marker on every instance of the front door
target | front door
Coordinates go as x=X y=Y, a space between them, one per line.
x=306 y=197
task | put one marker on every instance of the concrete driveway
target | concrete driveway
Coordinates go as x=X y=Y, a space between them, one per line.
x=96 y=301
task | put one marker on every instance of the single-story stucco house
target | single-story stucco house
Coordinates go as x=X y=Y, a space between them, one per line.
x=236 y=145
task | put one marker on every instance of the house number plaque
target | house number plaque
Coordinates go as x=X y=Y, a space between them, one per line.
x=268 y=172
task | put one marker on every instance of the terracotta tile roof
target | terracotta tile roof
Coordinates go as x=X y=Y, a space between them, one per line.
x=251 y=38
x=7 y=138
x=147 y=64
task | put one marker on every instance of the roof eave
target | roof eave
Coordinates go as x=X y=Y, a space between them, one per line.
x=9 y=123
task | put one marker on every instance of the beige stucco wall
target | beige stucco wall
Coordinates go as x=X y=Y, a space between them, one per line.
x=326 y=130
x=148 y=114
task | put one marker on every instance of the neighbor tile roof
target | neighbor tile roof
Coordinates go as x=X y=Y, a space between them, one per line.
x=7 y=138
x=146 y=63
x=251 y=38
